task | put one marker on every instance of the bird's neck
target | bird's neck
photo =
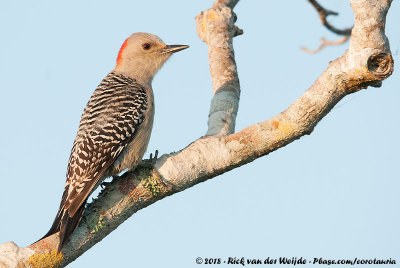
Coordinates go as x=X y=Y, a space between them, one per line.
x=138 y=74
x=139 y=68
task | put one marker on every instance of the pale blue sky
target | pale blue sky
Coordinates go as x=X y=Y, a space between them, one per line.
x=334 y=194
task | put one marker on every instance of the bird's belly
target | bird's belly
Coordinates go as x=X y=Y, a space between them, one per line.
x=133 y=153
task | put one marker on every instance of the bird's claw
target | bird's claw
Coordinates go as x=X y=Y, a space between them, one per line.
x=149 y=163
x=155 y=156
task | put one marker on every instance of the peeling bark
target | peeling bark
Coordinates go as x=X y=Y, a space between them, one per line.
x=367 y=62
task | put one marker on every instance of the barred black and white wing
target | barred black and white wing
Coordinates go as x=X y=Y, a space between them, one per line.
x=108 y=124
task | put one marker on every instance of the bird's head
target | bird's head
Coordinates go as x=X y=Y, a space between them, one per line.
x=142 y=55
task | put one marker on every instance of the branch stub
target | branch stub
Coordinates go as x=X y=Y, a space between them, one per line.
x=381 y=65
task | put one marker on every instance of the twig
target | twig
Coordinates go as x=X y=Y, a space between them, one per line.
x=323 y=14
x=325 y=43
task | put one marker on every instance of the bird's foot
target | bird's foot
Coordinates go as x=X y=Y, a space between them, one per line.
x=149 y=163
x=154 y=159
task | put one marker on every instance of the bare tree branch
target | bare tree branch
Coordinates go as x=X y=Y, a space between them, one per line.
x=216 y=28
x=325 y=43
x=367 y=62
x=323 y=14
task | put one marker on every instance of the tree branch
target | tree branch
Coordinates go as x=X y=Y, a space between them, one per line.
x=216 y=28
x=367 y=62
x=323 y=14
x=325 y=43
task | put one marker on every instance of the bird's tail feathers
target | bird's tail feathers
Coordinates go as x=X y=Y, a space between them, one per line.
x=63 y=223
x=69 y=224
x=55 y=227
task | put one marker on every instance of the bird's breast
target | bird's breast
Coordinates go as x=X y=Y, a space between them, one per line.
x=132 y=154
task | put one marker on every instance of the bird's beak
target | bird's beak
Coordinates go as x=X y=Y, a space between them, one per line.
x=174 y=48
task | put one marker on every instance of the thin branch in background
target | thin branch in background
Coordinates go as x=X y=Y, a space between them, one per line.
x=325 y=43
x=323 y=14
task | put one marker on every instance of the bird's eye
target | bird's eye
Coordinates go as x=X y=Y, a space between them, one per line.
x=146 y=46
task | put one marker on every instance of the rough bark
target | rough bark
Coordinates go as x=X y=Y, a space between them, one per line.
x=216 y=28
x=367 y=62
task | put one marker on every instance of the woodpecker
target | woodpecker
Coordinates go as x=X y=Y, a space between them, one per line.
x=115 y=126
